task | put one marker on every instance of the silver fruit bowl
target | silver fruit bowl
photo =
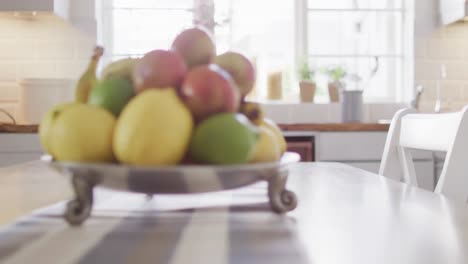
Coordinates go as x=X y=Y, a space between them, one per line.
x=181 y=179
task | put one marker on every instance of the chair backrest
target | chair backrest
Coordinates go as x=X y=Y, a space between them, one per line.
x=436 y=132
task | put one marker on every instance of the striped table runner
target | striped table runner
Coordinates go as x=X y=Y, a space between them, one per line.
x=224 y=227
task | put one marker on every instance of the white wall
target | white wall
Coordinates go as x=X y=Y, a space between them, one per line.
x=44 y=46
x=446 y=45
x=436 y=45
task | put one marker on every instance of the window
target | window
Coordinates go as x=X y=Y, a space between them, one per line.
x=367 y=37
x=277 y=35
x=132 y=28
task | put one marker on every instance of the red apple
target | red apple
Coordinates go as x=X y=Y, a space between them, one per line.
x=159 y=69
x=208 y=90
x=240 y=68
x=196 y=46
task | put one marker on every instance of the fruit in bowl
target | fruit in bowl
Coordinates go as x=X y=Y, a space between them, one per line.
x=196 y=46
x=167 y=108
x=240 y=68
x=78 y=132
x=112 y=94
x=226 y=138
x=209 y=90
x=154 y=129
x=122 y=68
x=159 y=69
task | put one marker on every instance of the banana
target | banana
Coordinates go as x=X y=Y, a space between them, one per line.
x=253 y=111
x=88 y=78
x=121 y=68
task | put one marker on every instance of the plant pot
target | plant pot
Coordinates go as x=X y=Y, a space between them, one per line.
x=307 y=91
x=333 y=91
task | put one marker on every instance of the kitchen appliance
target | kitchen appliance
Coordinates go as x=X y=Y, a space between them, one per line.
x=453 y=11
x=80 y=14
x=37 y=96
x=351 y=103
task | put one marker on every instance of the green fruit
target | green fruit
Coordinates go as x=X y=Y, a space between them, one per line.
x=112 y=94
x=226 y=138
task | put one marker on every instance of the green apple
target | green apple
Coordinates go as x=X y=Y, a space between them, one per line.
x=112 y=94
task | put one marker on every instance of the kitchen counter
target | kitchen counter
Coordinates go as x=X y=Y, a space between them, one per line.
x=336 y=127
x=10 y=128
x=339 y=127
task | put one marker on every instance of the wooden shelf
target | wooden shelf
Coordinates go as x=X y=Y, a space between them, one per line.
x=322 y=127
x=336 y=127
x=10 y=128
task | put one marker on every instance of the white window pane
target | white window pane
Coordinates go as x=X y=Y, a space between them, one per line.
x=381 y=85
x=350 y=4
x=152 y=3
x=345 y=33
x=139 y=31
x=261 y=29
x=330 y=4
x=387 y=80
x=325 y=32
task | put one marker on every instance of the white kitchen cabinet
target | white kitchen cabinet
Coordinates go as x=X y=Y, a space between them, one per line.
x=363 y=150
x=80 y=14
x=354 y=146
x=18 y=147
x=452 y=10
x=431 y=14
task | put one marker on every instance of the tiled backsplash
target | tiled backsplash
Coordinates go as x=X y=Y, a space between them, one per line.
x=449 y=46
x=41 y=46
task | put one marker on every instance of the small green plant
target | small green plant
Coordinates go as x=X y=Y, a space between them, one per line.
x=306 y=73
x=336 y=73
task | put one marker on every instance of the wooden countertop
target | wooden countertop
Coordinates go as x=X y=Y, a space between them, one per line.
x=10 y=128
x=324 y=127
x=336 y=127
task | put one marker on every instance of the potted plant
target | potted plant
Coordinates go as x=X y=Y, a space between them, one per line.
x=335 y=82
x=307 y=83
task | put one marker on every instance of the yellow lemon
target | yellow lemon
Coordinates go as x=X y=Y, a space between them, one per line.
x=155 y=128
x=266 y=149
x=270 y=124
x=82 y=133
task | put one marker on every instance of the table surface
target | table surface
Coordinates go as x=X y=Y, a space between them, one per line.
x=345 y=215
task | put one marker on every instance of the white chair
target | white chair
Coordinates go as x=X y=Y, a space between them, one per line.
x=446 y=132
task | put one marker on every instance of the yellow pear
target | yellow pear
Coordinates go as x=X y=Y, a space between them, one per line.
x=122 y=68
x=270 y=124
x=153 y=129
x=266 y=149
x=47 y=123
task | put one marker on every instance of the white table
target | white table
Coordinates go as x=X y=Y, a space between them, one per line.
x=345 y=215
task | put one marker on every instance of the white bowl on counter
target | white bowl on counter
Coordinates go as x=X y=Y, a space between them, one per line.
x=37 y=96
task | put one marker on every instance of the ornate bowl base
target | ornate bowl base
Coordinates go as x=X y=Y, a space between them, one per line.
x=174 y=180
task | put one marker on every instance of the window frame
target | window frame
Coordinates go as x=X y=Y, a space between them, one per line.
x=406 y=90
x=404 y=93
